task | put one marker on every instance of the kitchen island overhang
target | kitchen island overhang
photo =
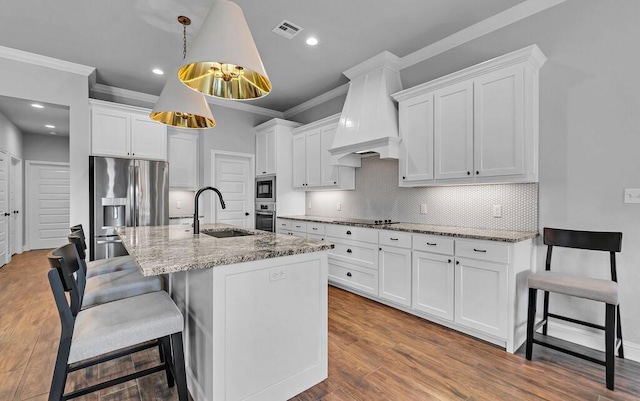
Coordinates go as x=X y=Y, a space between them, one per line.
x=255 y=308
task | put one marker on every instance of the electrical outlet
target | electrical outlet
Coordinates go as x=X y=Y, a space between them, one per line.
x=632 y=195
x=338 y=206
x=178 y=204
x=497 y=210
x=277 y=273
x=423 y=208
x=309 y=206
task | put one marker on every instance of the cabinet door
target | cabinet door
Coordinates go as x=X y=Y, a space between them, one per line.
x=110 y=132
x=329 y=172
x=148 y=138
x=453 y=131
x=395 y=274
x=261 y=153
x=499 y=123
x=183 y=160
x=416 y=131
x=313 y=159
x=481 y=296
x=299 y=161
x=433 y=284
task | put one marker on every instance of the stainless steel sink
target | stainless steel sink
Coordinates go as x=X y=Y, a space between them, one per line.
x=226 y=233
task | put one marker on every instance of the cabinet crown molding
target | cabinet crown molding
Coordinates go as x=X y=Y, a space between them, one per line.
x=277 y=122
x=316 y=124
x=531 y=55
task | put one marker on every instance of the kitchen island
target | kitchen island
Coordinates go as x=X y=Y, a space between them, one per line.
x=255 y=307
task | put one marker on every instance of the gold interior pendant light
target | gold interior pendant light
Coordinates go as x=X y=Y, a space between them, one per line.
x=179 y=106
x=224 y=61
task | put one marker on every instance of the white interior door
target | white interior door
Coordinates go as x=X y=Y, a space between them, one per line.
x=4 y=209
x=233 y=176
x=15 y=203
x=48 y=204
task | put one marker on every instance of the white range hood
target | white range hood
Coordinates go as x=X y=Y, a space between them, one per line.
x=369 y=119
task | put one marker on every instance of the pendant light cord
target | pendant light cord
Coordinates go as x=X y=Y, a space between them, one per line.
x=184 y=41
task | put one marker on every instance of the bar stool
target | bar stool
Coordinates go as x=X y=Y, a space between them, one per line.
x=108 y=287
x=600 y=290
x=112 y=330
x=102 y=266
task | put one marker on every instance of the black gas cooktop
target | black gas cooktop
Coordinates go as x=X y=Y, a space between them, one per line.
x=368 y=222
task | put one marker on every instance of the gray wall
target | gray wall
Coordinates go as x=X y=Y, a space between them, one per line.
x=589 y=119
x=321 y=111
x=50 y=148
x=10 y=137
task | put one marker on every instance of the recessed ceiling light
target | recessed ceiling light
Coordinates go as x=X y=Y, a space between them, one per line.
x=37 y=105
x=157 y=71
x=312 y=41
x=50 y=126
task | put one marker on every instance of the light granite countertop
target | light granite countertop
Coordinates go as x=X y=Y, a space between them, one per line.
x=170 y=249
x=460 y=232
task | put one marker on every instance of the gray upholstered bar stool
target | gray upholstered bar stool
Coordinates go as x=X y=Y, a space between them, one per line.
x=595 y=289
x=112 y=286
x=102 y=266
x=112 y=330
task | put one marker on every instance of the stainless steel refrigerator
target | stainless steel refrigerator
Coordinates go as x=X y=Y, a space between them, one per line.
x=125 y=192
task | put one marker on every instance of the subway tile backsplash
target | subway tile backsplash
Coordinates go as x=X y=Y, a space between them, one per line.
x=377 y=196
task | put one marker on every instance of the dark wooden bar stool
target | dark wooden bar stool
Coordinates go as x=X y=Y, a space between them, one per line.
x=102 y=266
x=112 y=330
x=600 y=290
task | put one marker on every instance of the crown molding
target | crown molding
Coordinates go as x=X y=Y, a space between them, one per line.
x=484 y=27
x=277 y=122
x=384 y=59
x=325 y=97
x=45 y=61
x=152 y=99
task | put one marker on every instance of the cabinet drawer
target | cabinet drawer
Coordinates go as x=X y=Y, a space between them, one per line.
x=315 y=228
x=433 y=243
x=483 y=250
x=394 y=238
x=352 y=233
x=284 y=224
x=315 y=237
x=359 y=253
x=300 y=226
x=361 y=279
x=285 y=232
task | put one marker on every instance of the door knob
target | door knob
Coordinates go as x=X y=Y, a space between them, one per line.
x=7 y=214
x=246 y=213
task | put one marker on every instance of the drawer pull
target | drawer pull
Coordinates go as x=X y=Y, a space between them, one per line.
x=349 y=274
x=457 y=262
x=432 y=243
x=480 y=250
x=449 y=261
x=348 y=232
x=314 y=228
x=393 y=239
x=349 y=250
x=298 y=226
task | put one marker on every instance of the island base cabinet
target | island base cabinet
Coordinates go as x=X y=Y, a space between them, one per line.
x=433 y=284
x=481 y=296
x=255 y=330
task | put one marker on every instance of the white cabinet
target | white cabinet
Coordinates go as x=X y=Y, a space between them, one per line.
x=274 y=156
x=183 y=159
x=394 y=267
x=266 y=152
x=126 y=131
x=312 y=168
x=478 y=125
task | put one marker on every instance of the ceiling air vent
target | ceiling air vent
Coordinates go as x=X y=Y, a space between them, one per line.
x=287 y=29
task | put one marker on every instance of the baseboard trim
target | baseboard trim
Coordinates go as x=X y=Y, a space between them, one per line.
x=589 y=339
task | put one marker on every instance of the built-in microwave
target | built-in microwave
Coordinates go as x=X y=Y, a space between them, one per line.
x=266 y=188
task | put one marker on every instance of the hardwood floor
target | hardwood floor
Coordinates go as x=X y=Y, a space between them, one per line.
x=375 y=353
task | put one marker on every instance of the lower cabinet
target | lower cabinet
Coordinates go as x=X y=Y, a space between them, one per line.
x=394 y=262
x=433 y=284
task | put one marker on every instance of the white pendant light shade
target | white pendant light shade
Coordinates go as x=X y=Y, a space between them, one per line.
x=181 y=107
x=223 y=60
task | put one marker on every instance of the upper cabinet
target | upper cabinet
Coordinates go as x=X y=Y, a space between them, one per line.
x=266 y=152
x=125 y=131
x=478 y=125
x=183 y=159
x=312 y=168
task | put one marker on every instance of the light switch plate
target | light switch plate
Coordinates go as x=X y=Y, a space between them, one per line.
x=423 y=208
x=338 y=206
x=497 y=210
x=178 y=204
x=632 y=195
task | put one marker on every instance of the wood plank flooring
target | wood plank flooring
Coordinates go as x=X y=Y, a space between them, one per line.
x=375 y=353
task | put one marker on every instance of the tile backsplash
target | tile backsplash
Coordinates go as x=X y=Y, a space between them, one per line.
x=377 y=196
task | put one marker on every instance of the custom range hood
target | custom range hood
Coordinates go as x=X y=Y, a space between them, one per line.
x=369 y=119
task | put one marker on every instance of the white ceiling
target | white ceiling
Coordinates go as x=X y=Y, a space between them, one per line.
x=31 y=120
x=125 y=39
